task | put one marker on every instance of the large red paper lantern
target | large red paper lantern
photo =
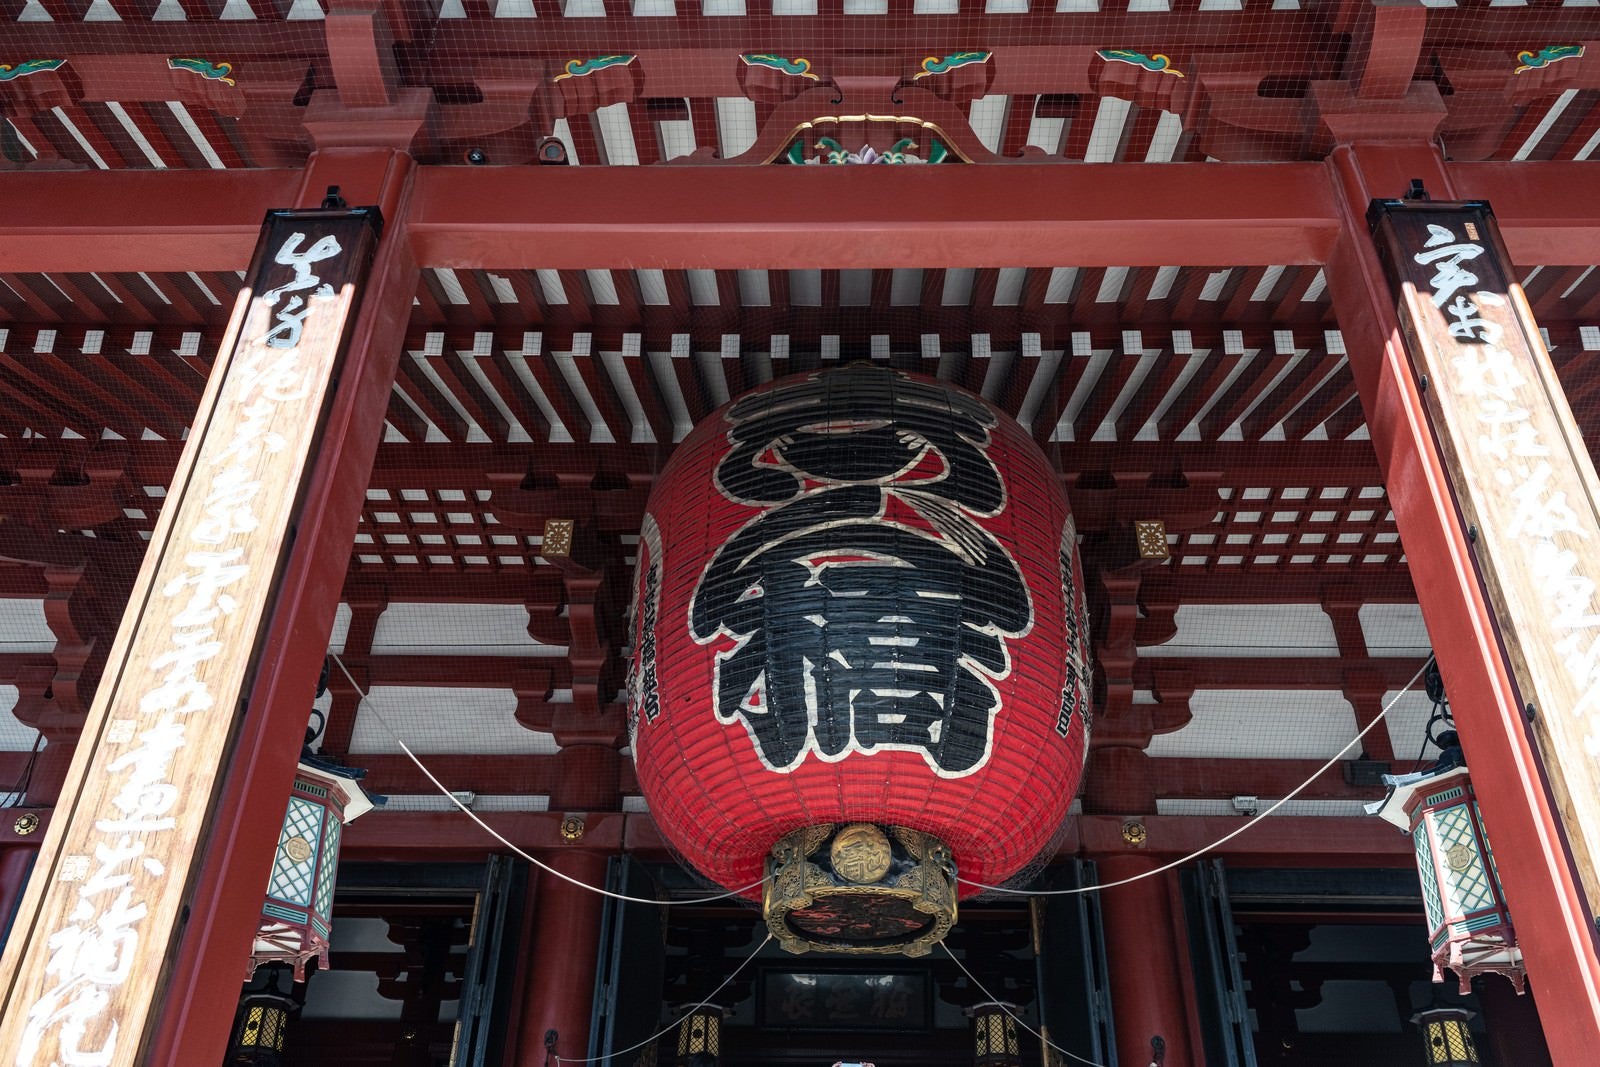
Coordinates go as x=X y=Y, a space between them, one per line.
x=861 y=660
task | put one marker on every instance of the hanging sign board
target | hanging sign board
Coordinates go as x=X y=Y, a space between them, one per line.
x=85 y=964
x=1521 y=475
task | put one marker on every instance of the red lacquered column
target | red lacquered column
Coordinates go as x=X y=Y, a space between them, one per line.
x=1142 y=954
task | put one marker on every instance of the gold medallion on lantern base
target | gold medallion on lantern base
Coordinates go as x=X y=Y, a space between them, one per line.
x=860 y=888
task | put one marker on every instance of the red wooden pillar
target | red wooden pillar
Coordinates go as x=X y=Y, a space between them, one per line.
x=1551 y=920
x=1512 y=1033
x=226 y=908
x=1144 y=959
x=558 y=990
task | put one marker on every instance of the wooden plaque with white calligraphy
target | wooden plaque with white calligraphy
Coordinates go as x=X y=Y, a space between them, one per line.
x=84 y=966
x=1521 y=474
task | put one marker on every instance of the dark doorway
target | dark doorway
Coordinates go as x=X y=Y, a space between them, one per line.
x=1335 y=963
x=812 y=1010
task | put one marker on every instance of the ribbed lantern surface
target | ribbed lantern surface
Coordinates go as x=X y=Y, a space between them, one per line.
x=859 y=601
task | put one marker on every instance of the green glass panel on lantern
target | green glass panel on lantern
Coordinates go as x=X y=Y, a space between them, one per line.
x=296 y=914
x=1469 y=927
x=1429 y=877
x=323 y=903
x=294 y=865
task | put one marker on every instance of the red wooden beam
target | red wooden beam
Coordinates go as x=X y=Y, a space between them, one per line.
x=1217 y=672
x=449 y=835
x=559 y=217
x=678 y=39
x=1286 y=841
x=1181 y=586
x=1276 y=841
x=137 y=220
x=563 y=217
x=1220 y=31
x=1548 y=212
x=1186 y=778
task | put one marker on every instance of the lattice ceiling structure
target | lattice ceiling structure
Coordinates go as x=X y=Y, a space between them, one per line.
x=1253 y=75
x=549 y=376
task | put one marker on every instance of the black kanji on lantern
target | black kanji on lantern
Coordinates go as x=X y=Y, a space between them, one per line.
x=867 y=605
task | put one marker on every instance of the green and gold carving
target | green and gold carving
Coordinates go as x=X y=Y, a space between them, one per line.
x=944 y=64
x=582 y=68
x=11 y=72
x=1528 y=59
x=205 y=68
x=797 y=67
x=1158 y=63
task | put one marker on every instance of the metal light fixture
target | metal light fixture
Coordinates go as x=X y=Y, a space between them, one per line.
x=296 y=915
x=296 y=912
x=270 y=1000
x=1469 y=927
x=1446 y=1040
x=994 y=1034
x=700 y=1035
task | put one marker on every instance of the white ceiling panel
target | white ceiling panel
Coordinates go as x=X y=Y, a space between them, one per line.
x=457 y=630
x=14 y=737
x=23 y=627
x=1262 y=724
x=444 y=721
x=1394 y=630
x=1249 y=630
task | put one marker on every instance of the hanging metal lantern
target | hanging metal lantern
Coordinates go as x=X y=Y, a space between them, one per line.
x=1446 y=1040
x=700 y=1035
x=1469 y=925
x=296 y=914
x=994 y=1035
x=262 y=1020
x=861 y=658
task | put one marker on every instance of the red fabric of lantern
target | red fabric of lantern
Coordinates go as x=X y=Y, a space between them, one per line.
x=859 y=599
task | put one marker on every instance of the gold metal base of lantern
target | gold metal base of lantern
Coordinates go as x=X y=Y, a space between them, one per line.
x=860 y=888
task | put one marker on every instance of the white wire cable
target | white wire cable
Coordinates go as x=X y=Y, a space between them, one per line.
x=1213 y=846
x=1005 y=1008
x=1296 y=791
x=710 y=999
x=445 y=791
x=372 y=707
